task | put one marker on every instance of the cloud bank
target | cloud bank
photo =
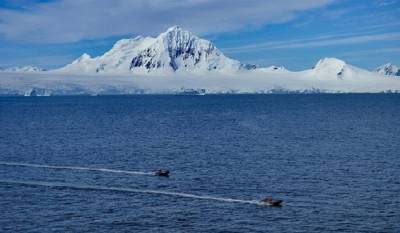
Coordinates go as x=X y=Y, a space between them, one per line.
x=74 y=20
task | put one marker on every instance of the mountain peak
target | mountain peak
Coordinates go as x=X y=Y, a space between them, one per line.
x=330 y=66
x=140 y=37
x=174 y=28
x=84 y=57
x=179 y=50
x=329 y=62
x=388 y=69
x=177 y=34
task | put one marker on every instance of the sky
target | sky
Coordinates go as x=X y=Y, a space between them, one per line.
x=292 y=33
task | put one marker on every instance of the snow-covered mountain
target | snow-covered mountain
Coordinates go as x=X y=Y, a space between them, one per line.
x=336 y=71
x=175 y=50
x=22 y=69
x=388 y=69
x=330 y=67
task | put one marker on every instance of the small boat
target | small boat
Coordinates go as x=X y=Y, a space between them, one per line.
x=271 y=202
x=162 y=172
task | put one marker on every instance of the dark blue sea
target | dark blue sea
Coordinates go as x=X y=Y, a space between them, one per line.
x=83 y=164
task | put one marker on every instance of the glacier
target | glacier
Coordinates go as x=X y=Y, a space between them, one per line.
x=178 y=62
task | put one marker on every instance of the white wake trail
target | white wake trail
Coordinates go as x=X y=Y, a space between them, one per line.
x=75 y=168
x=129 y=190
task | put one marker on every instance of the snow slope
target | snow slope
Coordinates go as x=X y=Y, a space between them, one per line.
x=273 y=69
x=388 y=69
x=22 y=69
x=328 y=76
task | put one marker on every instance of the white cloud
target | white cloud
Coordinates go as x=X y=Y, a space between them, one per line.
x=319 y=41
x=386 y=2
x=74 y=20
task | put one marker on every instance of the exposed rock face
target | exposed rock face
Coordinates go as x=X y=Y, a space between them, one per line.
x=388 y=69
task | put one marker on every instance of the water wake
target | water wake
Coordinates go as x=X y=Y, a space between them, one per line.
x=128 y=190
x=75 y=168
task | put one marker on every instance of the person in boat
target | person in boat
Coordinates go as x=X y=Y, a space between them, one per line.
x=162 y=172
x=270 y=201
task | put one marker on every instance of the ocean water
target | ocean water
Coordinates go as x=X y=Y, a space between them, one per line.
x=83 y=164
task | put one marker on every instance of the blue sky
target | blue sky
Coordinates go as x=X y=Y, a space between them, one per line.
x=293 y=33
